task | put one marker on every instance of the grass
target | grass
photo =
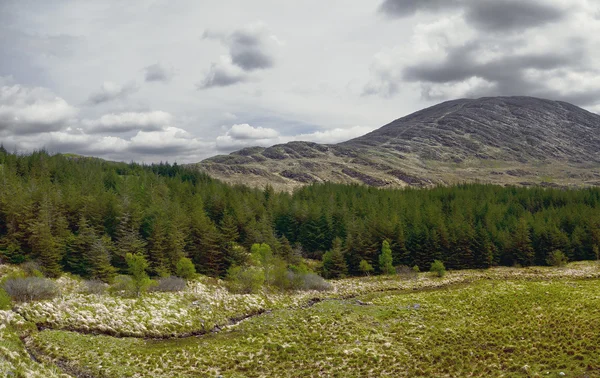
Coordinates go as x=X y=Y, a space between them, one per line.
x=485 y=329
x=15 y=361
x=498 y=322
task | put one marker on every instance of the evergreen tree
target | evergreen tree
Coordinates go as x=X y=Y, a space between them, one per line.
x=334 y=265
x=522 y=251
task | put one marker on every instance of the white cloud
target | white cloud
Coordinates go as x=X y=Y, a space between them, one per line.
x=171 y=141
x=26 y=110
x=241 y=136
x=129 y=121
x=245 y=131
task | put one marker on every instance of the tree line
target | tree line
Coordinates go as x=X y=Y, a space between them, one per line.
x=85 y=215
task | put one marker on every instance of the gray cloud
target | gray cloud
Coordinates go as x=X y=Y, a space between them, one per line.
x=486 y=15
x=250 y=47
x=509 y=74
x=111 y=91
x=222 y=74
x=403 y=8
x=249 y=50
x=156 y=72
x=494 y=15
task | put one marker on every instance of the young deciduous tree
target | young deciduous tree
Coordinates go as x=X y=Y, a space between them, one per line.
x=137 y=266
x=386 y=264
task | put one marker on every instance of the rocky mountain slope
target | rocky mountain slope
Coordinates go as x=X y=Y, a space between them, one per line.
x=502 y=140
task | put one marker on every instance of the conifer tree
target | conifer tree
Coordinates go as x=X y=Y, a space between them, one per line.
x=334 y=265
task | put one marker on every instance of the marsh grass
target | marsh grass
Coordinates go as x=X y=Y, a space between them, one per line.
x=486 y=329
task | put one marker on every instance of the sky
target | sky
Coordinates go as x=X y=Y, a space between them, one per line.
x=183 y=80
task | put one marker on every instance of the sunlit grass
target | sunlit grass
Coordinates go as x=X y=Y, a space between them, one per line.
x=488 y=328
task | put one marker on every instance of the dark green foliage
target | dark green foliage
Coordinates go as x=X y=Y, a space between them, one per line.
x=334 y=265
x=84 y=215
x=557 y=258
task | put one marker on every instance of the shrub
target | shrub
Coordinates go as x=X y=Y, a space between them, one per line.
x=32 y=269
x=122 y=285
x=169 y=284
x=365 y=267
x=246 y=280
x=404 y=271
x=438 y=268
x=185 y=269
x=312 y=281
x=23 y=289
x=5 y=302
x=95 y=287
x=416 y=269
x=557 y=258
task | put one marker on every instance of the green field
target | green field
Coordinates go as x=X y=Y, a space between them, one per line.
x=501 y=322
x=486 y=328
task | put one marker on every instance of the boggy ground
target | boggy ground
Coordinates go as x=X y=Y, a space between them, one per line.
x=502 y=322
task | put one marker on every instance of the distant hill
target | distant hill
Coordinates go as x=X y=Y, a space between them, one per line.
x=502 y=140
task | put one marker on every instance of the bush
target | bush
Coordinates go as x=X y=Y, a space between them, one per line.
x=557 y=258
x=95 y=287
x=169 y=284
x=438 y=268
x=123 y=285
x=312 y=281
x=185 y=269
x=32 y=269
x=5 y=302
x=365 y=267
x=23 y=289
x=404 y=271
x=245 y=280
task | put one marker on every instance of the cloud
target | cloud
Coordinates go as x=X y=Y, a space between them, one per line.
x=111 y=91
x=31 y=110
x=403 y=8
x=223 y=74
x=171 y=141
x=245 y=131
x=156 y=72
x=449 y=59
x=129 y=121
x=513 y=73
x=494 y=15
x=487 y=15
x=250 y=48
x=244 y=135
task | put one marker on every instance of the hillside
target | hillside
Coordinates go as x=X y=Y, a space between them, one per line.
x=502 y=140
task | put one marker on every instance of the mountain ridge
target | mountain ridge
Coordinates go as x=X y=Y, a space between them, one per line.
x=502 y=140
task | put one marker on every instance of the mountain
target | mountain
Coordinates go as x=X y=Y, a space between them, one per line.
x=501 y=140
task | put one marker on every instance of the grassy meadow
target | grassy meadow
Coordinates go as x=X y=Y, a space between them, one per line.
x=501 y=322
